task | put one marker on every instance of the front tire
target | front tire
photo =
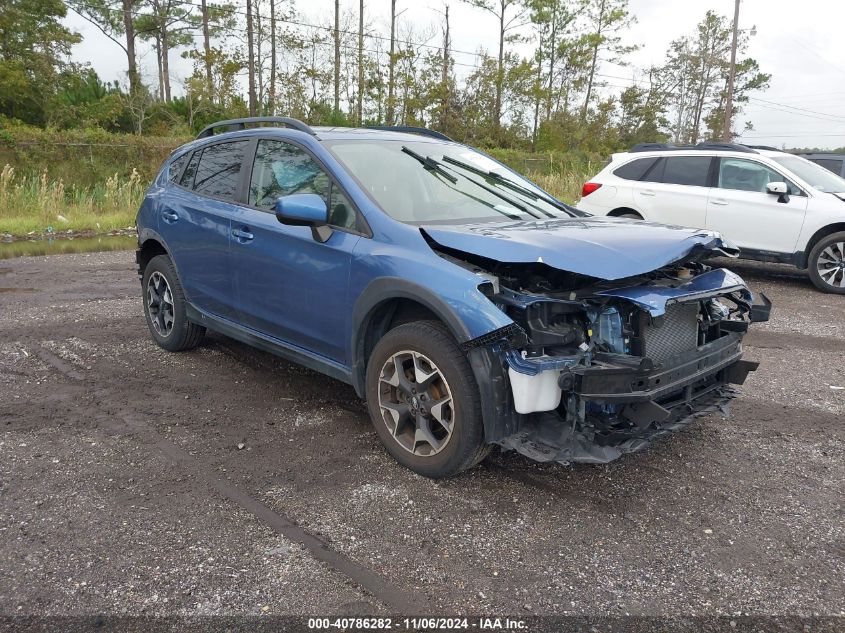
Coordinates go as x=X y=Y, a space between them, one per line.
x=165 y=307
x=424 y=402
x=826 y=264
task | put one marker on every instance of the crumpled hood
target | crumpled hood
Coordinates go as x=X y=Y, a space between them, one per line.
x=601 y=247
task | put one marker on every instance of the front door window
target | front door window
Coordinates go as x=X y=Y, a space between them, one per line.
x=282 y=169
x=748 y=175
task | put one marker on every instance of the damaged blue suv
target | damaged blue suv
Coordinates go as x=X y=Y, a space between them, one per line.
x=466 y=305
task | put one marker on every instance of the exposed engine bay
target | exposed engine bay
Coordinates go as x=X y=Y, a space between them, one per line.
x=598 y=368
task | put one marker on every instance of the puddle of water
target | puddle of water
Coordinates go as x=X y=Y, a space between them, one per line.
x=60 y=246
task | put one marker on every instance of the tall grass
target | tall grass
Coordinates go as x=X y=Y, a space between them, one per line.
x=565 y=185
x=42 y=204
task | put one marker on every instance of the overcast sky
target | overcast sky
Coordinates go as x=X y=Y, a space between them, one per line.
x=800 y=44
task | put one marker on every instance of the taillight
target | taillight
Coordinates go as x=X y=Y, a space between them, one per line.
x=588 y=188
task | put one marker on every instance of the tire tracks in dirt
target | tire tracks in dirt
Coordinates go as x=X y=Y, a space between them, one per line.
x=397 y=599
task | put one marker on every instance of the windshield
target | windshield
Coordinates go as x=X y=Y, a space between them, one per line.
x=429 y=181
x=814 y=175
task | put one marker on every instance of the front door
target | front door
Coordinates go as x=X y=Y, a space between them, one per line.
x=742 y=210
x=290 y=285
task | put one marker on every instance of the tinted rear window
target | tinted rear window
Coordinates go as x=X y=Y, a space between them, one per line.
x=176 y=166
x=686 y=170
x=187 y=179
x=219 y=170
x=636 y=169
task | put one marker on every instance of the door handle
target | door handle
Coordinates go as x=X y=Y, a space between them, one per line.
x=169 y=216
x=243 y=235
x=647 y=192
x=720 y=202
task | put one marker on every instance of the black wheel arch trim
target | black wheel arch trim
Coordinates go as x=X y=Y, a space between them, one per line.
x=498 y=415
x=380 y=291
x=149 y=235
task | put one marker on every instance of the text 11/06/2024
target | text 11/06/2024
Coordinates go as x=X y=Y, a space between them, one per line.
x=417 y=623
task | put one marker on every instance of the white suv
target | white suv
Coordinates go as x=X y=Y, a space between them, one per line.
x=775 y=206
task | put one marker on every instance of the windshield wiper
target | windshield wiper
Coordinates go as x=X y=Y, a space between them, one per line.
x=505 y=182
x=510 y=184
x=489 y=205
x=508 y=199
x=430 y=164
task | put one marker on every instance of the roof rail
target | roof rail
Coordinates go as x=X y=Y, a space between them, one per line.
x=669 y=147
x=410 y=129
x=768 y=147
x=652 y=147
x=240 y=124
x=726 y=147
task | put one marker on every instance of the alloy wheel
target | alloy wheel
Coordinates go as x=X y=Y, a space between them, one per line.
x=160 y=304
x=831 y=265
x=416 y=403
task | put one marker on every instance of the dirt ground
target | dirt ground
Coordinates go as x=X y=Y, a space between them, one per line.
x=227 y=481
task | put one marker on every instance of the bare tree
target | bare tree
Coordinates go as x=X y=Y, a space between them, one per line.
x=447 y=46
x=271 y=98
x=103 y=14
x=446 y=66
x=337 y=55
x=500 y=9
x=360 y=91
x=129 y=29
x=250 y=58
x=606 y=19
x=206 y=44
x=391 y=66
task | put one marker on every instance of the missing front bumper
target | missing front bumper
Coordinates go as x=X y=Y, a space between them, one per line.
x=549 y=437
x=614 y=378
x=619 y=404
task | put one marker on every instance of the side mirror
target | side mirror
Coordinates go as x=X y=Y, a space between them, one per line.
x=302 y=209
x=778 y=189
x=305 y=209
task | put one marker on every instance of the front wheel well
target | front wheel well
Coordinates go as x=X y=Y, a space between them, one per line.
x=819 y=235
x=389 y=315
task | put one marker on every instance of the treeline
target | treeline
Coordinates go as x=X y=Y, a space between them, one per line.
x=269 y=57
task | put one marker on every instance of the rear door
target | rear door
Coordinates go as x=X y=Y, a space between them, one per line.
x=195 y=224
x=290 y=285
x=674 y=190
x=742 y=210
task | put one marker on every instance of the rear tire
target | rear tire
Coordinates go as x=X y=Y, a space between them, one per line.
x=165 y=307
x=424 y=401
x=826 y=264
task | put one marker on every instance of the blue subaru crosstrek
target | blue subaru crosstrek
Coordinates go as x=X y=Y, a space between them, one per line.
x=465 y=304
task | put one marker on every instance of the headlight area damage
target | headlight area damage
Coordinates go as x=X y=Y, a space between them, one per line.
x=592 y=369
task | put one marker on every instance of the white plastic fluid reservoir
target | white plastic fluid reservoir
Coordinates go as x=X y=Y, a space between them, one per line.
x=535 y=393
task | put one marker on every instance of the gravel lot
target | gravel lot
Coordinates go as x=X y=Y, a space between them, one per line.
x=123 y=489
